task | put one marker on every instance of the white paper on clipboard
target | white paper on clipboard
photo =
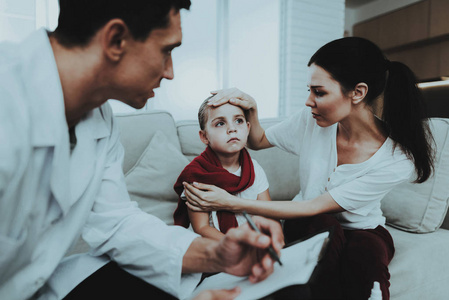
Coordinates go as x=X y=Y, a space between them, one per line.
x=299 y=261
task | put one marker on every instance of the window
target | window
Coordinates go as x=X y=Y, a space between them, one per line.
x=225 y=44
x=259 y=46
x=306 y=26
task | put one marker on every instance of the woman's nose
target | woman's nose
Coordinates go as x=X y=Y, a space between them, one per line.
x=309 y=101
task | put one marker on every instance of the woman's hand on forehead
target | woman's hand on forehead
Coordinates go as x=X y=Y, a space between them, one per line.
x=233 y=96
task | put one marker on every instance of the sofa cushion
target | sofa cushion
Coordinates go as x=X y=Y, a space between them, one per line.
x=282 y=168
x=422 y=207
x=419 y=267
x=150 y=182
x=137 y=129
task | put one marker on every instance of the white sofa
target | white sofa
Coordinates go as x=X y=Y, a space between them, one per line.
x=157 y=149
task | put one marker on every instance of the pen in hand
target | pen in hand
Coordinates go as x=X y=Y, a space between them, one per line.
x=270 y=249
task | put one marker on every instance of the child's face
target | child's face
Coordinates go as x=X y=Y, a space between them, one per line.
x=226 y=129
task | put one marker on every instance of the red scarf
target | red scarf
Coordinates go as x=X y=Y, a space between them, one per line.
x=206 y=168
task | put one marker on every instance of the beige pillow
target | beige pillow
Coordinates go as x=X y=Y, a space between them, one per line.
x=422 y=207
x=150 y=182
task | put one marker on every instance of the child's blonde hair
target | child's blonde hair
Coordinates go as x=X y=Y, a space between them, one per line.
x=204 y=108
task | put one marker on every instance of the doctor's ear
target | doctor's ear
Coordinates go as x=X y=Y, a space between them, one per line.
x=203 y=137
x=115 y=36
x=359 y=92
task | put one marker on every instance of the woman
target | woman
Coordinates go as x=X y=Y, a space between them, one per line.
x=363 y=134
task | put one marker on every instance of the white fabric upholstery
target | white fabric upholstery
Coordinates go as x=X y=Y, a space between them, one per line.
x=422 y=207
x=150 y=182
x=138 y=129
x=419 y=269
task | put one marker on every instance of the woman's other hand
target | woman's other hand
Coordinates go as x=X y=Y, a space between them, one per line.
x=233 y=96
x=206 y=197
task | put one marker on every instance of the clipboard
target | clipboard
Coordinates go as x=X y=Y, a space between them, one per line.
x=303 y=255
x=302 y=291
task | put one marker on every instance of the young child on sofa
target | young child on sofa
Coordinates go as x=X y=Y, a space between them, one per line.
x=226 y=164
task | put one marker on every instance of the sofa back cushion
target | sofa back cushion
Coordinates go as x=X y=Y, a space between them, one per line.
x=282 y=168
x=423 y=207
x=137 y=130
x=150 y=181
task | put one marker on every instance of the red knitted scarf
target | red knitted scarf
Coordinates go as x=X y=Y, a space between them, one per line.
x=206 y=168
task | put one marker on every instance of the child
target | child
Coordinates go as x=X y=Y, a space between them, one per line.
x=226 y=164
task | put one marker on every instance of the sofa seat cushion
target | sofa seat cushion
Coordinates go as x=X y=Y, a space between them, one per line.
x=150 y=182
x=419 y=268
x=422 y=207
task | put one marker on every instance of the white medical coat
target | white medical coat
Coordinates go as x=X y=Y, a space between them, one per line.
x=48 y=196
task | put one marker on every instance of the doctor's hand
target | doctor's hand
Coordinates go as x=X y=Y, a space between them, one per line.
x=242 y=251
x=207 y=197
x=218 y=294
x=233 y=96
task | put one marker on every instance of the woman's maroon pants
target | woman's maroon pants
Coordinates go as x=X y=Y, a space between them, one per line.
x=354 y=258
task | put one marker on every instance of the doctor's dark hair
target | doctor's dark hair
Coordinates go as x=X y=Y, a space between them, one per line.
x=354 y=60
x=79 y=20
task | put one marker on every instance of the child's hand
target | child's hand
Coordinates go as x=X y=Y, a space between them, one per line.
x=233 y=96
x=206 y=197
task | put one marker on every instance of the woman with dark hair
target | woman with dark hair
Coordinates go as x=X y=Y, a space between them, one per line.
x=363 y=133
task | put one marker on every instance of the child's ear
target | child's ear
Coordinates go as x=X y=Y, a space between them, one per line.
x=203 y=137
x=249 y=125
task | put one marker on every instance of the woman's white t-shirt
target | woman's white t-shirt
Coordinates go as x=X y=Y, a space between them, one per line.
x=357 y=188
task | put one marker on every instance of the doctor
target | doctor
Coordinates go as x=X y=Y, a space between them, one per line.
x=61 y=164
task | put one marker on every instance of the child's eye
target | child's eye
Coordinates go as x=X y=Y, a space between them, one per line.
x=219 y=124
x=239 y=121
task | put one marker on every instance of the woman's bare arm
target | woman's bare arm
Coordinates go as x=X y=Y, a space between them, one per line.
x=204 y=197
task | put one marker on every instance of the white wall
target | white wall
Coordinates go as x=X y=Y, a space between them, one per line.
x=371 y=10
x=17 y=19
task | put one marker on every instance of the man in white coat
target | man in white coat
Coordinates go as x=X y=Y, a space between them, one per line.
x=61 y=164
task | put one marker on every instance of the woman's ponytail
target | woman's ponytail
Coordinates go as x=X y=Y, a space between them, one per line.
x=404 y=113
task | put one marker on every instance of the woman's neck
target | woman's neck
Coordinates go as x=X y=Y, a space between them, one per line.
x=360 y=127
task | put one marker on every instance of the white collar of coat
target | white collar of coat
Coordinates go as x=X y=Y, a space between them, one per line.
x=44 y=90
